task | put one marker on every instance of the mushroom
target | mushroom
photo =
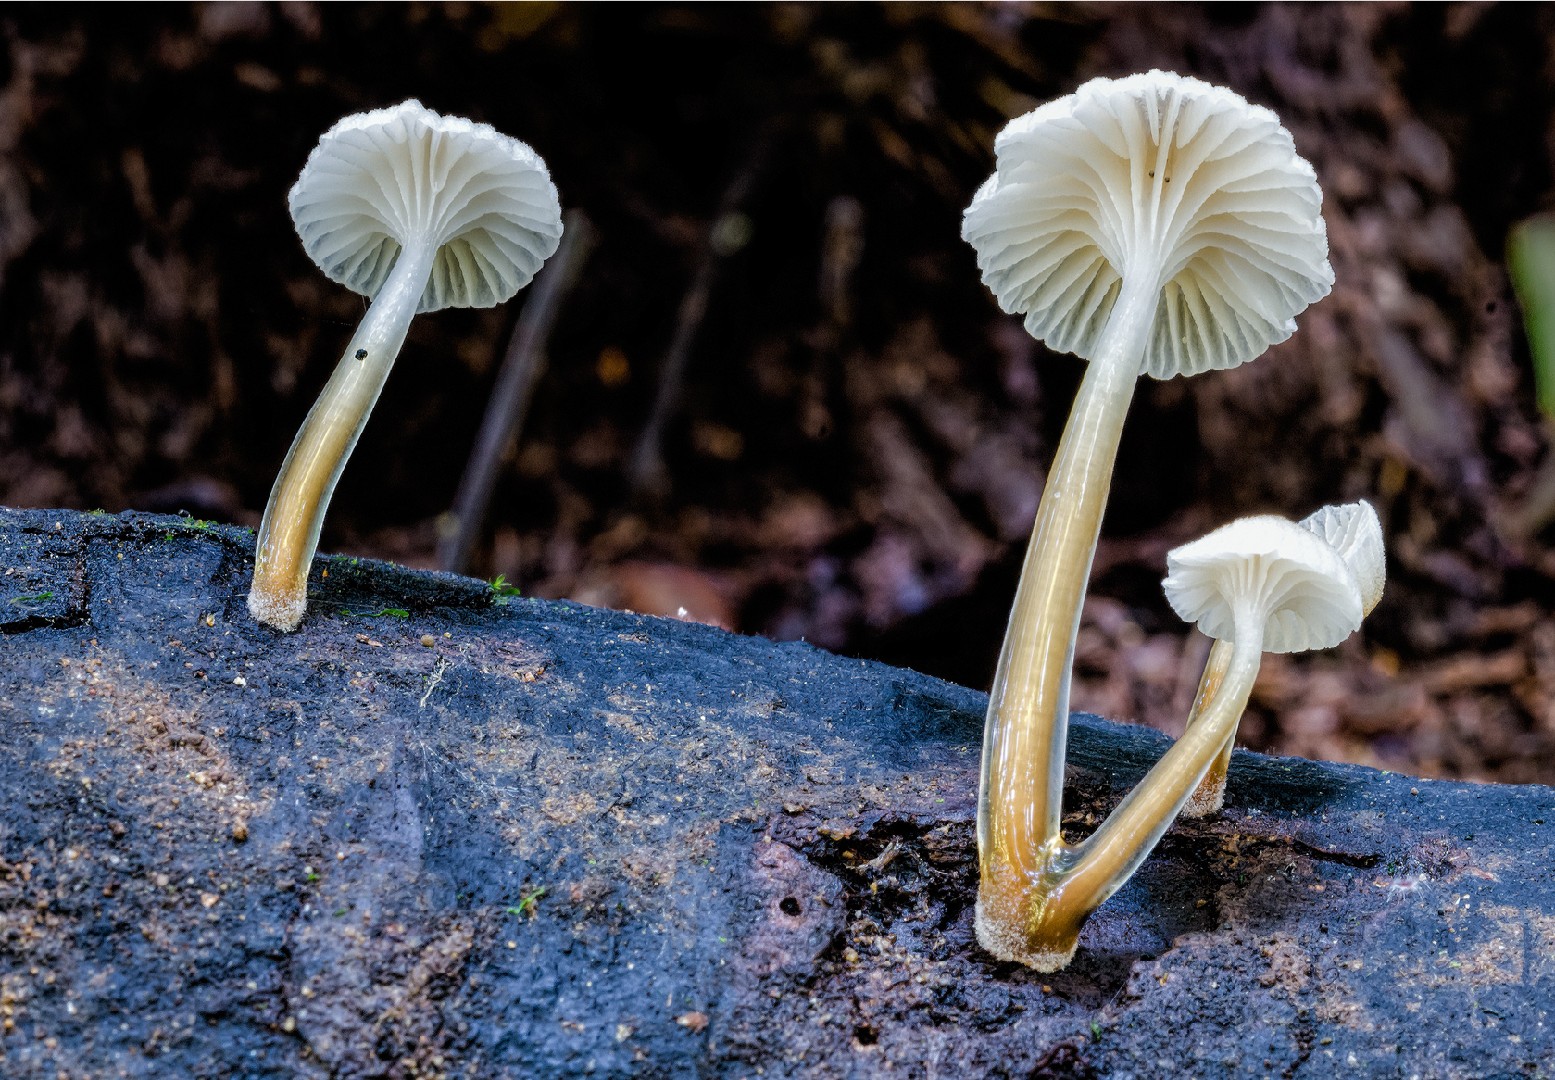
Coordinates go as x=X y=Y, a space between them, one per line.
x=1152 y=224
x=1354 y=531
x=417 y=211
x=1262 y=583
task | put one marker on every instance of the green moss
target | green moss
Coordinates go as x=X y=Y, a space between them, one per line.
x=35 y=598
x=501 y=590
x=525 y=908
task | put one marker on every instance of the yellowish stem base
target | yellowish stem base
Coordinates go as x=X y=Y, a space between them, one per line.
x=1030 y=920
x=1209 y=798
x=283 y=613
x=996 y=937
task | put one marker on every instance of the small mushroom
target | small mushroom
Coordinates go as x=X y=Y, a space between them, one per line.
x=1152 y=225
x=417 y=211
x=1262 y=583
x=1355 y=532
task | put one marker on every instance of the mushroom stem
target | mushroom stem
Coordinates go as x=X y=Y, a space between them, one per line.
x=1077 y=879
x=1105 y=859
x=289 y=533
x=1210 y=795
x=1024 y=735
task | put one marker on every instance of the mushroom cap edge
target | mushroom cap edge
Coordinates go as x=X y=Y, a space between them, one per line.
x=354 y=210
x=1311 y=596
x=1043 y=259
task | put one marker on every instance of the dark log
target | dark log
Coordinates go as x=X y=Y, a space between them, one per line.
x=560 y=840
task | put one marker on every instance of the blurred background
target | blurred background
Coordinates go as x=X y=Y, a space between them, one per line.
x=777 y=395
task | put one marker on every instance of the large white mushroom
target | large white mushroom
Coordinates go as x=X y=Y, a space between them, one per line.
x=417 y=211
x=1153 y=224
x=1355 y=532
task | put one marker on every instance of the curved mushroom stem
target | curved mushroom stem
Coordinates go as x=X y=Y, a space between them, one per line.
x=1210 y=795
x=1075 y=880
x=1021 y=792
x=289 y=534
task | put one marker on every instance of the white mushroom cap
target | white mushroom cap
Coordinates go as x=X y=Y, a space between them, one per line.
x=1355 y=532
x=383 y=179
x=1155 y=174
x=1309 y=596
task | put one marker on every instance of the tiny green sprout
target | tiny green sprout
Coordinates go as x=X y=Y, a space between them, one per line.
x=527 y=904
x=389 y=612
x=35 y=598
x=1095 y=1031
x=193 y=522
x=99 y=512
x=311 y=876
x=502 y=589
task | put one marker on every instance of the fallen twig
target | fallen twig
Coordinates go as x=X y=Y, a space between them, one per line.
x=727 y=233
x=511 y=394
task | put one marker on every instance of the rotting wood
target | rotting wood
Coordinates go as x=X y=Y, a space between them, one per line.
x=752 y=854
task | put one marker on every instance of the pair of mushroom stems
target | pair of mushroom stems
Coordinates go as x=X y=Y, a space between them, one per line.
x=1036 y=891
x=1052 y=901
x=289 y=533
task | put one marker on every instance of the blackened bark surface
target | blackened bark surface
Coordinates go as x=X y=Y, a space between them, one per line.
x=559 y=840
